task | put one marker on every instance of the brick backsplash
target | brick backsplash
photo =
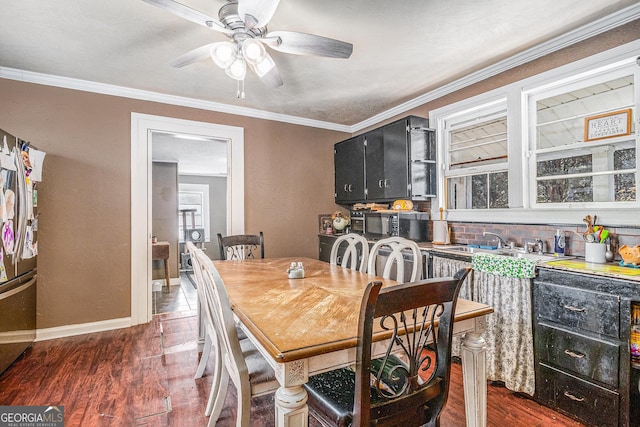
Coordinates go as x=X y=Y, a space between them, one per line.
x=467 y=233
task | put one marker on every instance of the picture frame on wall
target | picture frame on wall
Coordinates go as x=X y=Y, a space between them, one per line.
x=324 y=221
x=608 y=125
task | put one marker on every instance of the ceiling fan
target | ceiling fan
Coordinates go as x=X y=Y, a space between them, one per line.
x=245 y=23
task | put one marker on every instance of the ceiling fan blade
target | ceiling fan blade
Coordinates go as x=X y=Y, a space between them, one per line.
x=256 y=13
x=190 y=14
x=198 y=54
x=272 y=79
x=307 y=44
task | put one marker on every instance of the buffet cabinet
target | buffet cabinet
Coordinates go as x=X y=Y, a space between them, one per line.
x=581 y=346
x=395 y=161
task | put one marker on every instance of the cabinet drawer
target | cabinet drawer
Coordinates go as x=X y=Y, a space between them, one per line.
x=597 y=360
x=585 y=401
x=578 y=308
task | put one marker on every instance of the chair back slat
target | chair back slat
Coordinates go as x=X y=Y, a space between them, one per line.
x=408 y=385
x=356 y=253
x=241 y=246
x=394 y=249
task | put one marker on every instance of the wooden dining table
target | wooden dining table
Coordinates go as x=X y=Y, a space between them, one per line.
x=308 y=326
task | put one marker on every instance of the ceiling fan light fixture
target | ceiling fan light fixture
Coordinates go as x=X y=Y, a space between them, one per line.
x=237 y=70
x=264 y=66
x=224 y=54
x=253 y=51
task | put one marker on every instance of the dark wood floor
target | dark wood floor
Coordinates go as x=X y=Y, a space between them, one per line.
x=141 y=377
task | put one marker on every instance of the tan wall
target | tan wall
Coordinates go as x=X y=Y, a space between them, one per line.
x=84 y=262
x=164 y=215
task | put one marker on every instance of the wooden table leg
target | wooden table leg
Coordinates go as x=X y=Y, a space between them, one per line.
x=474 y=374
x=291 y=397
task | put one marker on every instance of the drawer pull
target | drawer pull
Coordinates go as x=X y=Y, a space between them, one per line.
x=572 y=397
x=576 y=309
x=574 y=354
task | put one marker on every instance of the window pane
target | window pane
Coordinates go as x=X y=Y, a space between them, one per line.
x=194 y=202
x=565 y=190
x=560 y=119
x=498 y=190
x=479 y=192
x=565 y=166
x=479 y=144
x=625 y=184
x=568 y=189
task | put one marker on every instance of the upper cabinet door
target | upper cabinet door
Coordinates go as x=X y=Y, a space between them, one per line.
x=387 y=162
x=349 y=170
x=374 y=164
x=396 y=160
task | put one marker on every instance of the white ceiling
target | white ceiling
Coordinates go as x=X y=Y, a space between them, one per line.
x=403 y=49
x=194 y=155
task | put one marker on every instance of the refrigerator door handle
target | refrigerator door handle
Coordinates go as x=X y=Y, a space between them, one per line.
x=22 y=207
x=12 y=292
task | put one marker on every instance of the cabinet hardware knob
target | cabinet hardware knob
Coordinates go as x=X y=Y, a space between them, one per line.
x=572 y=397
x=576 y=309
x=380 y=183
x=346 y=187
x=574 y=354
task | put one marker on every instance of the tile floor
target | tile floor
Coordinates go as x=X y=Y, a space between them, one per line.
x=180 y=298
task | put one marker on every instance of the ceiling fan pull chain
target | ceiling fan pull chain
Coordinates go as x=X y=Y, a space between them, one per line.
x=240 y=91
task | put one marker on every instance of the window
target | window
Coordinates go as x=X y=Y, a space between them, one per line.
x=477 y=158
x=522 y=148
x=193 y=203
x=571 y=168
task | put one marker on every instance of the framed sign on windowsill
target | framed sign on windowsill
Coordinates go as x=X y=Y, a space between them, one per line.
x=608 y=125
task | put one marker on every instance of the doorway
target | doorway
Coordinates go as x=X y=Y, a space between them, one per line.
x=189 y=198
x=143 y=127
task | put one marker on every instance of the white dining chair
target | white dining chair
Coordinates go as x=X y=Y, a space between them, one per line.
x=241 y=361
x=206 y=330
x=394 y=249
x=349 y=259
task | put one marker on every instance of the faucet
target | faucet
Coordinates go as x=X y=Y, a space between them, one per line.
x=501 y=242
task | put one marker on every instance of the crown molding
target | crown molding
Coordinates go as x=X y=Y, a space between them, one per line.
x=125 y=92
x=599 y=26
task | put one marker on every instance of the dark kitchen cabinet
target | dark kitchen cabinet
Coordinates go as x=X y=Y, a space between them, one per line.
x=395 y=161
x=349 y=170
x=581 y=346
x=387 y=175
x=325 y=243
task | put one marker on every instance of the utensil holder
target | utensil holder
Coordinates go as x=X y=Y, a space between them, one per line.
x=595 y=252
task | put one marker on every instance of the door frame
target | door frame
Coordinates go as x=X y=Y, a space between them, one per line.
x=142 y=125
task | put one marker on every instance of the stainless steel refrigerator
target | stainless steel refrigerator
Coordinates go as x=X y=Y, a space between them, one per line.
x=20 y=173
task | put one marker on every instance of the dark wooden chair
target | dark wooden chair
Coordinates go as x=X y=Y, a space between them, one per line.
x=241 y=246
x=407 y=385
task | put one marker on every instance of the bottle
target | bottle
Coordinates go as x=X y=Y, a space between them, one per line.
x=559 y=243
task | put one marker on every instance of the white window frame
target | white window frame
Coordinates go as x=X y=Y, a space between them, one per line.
x=202 y=189
x=517 y=94
x=617 y=70
x=485 y=112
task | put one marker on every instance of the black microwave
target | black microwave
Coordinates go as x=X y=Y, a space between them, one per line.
x=380 y=224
